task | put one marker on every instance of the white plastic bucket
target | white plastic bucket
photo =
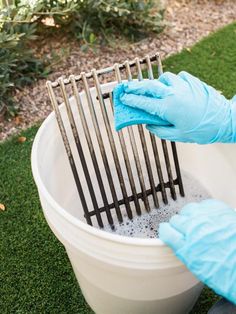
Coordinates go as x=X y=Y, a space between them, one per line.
x=119 y=274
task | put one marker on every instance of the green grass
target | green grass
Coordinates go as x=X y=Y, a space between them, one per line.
x=36 y=276
x=213 y=60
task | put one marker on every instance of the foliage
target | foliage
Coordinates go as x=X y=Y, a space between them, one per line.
x=85 y=17
x=92 y=22
x=18 y=66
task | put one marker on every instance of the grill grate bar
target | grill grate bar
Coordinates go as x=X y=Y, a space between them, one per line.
x=177 y=169
x=128 y=166
x=154 y=145
x=68 y=151
x=139 y=195
x=80 y=151
x=163 y=142
x=112 y=144
x=101 y=146
x=91 y=149
x=168 y=168
x=145 y=150
x=135 y=152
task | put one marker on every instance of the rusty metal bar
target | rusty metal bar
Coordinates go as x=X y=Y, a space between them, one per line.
x=144 y=145
x=112 y=143
x=163 y=142
x=135 y=151
x=177 y=169
x=154 y=145
x=91 y=148
x=68 y=151
x=101 y=146
x=168 y=169
x=128 y=166
x=80 y=152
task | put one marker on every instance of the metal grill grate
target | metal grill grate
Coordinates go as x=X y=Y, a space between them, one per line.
x=130 y=159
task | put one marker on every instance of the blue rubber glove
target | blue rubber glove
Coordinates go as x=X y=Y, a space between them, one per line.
x=203 y=237
x=195 y=111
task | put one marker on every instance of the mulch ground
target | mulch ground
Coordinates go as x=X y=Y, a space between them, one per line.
x=188 y=21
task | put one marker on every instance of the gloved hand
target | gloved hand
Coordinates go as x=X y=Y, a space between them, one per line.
x=195 y=111
x=203 y=237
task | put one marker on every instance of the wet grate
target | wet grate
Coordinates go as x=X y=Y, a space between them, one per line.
x=134 y=153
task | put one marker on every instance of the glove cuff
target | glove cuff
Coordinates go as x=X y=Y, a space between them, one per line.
x=227 y=131
x=227 y=121
x=233 y=118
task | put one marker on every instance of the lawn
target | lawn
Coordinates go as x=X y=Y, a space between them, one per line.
x=36 y=276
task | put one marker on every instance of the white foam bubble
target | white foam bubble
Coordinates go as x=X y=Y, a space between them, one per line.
x=147 y=225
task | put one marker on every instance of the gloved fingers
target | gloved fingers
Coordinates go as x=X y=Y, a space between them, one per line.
x=189 y=78
x=152 y=88
x=180 y=223
x=216 y=208
x=207 y=207
x=191 y=210
x=196 y=84
x=168 y=133
x=151 y=105
x=194 y=210
x=214 y=204
x=171 y=236
x=185 y=75
x=170 y=79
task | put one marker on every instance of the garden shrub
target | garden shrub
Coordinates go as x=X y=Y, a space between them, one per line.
x=83 y=17
x=18 y=66
x=92 y=22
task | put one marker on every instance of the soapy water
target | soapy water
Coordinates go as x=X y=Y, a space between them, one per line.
x=147 y=225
